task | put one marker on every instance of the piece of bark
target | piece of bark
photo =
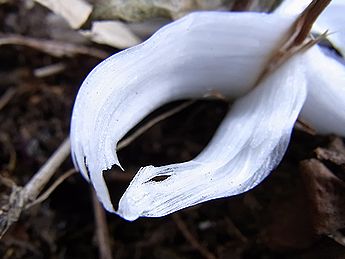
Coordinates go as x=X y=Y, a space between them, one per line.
x=326 y=193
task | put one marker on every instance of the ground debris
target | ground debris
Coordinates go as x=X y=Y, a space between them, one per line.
x=290 y=227
x=326 y=193
x=334 y=153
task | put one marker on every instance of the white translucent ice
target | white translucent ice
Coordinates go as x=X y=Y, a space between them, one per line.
x=199 y=54
x=324 y=108
x=250 y=142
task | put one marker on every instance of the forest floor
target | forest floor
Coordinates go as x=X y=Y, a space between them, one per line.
x=297 y=212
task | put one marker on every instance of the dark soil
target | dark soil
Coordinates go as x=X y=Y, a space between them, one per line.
x=280 y=218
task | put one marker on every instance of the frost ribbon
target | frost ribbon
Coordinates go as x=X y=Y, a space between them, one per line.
x=201 y=53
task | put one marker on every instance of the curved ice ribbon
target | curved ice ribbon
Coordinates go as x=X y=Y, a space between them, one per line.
x=201 y=53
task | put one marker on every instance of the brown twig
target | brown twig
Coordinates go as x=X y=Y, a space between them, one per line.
x=52 y=47
x=190 y=237
x=102 y=232
x=33 y=188
x=49 y=70
x=304 y=126
x=52 y=188
x=125 y=142
x=294 y=41
x=7 y=97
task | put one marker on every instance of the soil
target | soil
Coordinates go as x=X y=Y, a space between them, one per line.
x=297 y=212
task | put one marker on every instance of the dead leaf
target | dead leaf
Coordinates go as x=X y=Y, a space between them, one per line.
x=112 y=33
x=335 y=153
x=52 y=47
x=76 y=12
x=326 y=193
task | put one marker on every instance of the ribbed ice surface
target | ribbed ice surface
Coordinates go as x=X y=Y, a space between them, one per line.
x=202 y=53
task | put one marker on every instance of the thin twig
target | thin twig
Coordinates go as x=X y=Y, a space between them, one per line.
x=8 y=182
x=191 y=239
x=33 y=188
x=52 y=47
x=52 y=188
x=304 y=126
x=125 y=142
x=7 y=97
x=102 y=232
x=294 y=40
x=49 y=70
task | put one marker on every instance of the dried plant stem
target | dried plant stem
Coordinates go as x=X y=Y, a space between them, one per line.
x=125 y=142
x=295 y=40
x=49 y=70
x=52 y=188
x=102 y=232
x=7 y=97
x=191 y=239
x=33 y=188
x=52 y=47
